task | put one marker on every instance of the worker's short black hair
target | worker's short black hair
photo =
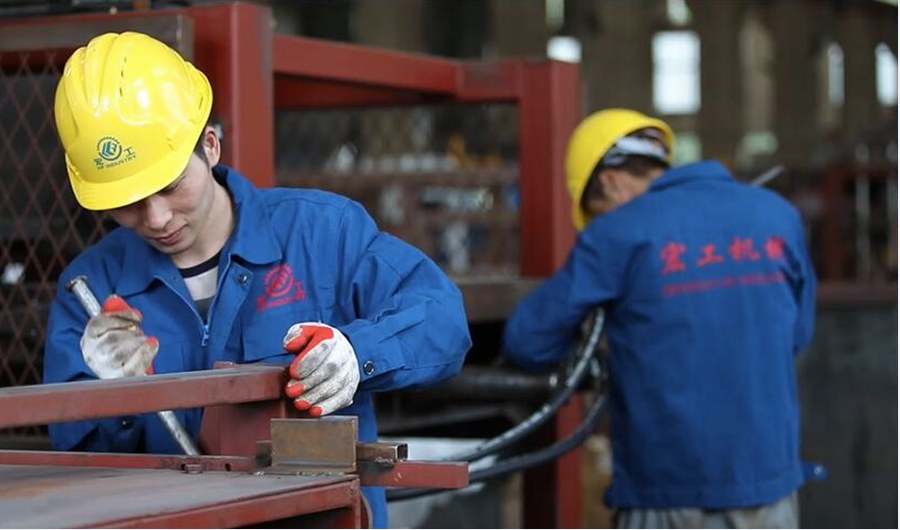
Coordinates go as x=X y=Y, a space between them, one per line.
x=198 y=149
x=642 y=166
x=639 y=166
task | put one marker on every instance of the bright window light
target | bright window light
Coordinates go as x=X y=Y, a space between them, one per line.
x=835 y=74
x=886 y=75
x=676 y=72
x=678 y=13
x=564 y=48
x=555 y=14
x=688 y=148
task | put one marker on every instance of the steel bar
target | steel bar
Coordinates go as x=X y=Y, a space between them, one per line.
x=414 y=474
x=79 y=287
x=381 y=452
x=81 y=400
x=184 y=463
x=354 y=64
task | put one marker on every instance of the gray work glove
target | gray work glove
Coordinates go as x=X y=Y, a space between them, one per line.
x=325 y=372
x=113 y=344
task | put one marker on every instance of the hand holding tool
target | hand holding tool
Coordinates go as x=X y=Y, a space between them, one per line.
x=325 y=373
x=114 y=346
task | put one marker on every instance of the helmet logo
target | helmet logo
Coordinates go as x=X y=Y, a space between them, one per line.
x=112 y=153
x=109 y=148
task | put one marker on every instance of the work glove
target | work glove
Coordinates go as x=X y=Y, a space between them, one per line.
x=325 y=373
x=113 y=344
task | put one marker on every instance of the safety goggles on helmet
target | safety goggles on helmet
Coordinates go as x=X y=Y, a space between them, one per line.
x=648 y=143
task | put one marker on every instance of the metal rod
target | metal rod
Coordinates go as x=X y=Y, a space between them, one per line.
x=79 y=287
x=768 y=175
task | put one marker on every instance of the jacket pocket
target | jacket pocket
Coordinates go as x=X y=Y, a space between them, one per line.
x=262 y=338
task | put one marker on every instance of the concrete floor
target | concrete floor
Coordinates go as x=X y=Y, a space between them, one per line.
x=848 y=394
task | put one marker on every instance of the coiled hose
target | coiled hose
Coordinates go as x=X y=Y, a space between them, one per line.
x=584 y=360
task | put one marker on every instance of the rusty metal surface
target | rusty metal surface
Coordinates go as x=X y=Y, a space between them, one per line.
x=237 y=429
x=64 y=497
x=414 y=474
x=134 y=461
x=381 y=452
x=324 y=445
x=39 y=404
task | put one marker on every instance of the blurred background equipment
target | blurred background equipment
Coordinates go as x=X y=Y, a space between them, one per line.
x=448 y=121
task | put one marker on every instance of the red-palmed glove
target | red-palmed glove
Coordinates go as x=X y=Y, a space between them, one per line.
x=113 y=344
x=325 y=373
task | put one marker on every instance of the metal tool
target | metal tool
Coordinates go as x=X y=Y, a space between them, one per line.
x=79 y=287
x=767 y=175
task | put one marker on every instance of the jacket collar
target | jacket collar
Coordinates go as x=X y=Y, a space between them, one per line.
x=253 y=239
x=703 y=170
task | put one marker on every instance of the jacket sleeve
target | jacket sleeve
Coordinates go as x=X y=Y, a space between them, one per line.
x=63 y=362
x=406 y=319
x=542 y=329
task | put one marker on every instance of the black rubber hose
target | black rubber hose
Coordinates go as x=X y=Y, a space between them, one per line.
x=518 y=432
x=540 y=416
x=518 y=463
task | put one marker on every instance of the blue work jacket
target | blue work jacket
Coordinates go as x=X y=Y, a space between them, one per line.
x=709 y=293
x=295 y=255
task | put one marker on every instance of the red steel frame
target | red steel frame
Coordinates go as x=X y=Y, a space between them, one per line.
x=240 y=401
x=255 y=72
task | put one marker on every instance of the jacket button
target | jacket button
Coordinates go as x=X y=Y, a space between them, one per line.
x=127 y=423
x=369 y=367
x=242 y=278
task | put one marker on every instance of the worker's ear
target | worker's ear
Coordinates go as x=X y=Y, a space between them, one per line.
x=212 y=147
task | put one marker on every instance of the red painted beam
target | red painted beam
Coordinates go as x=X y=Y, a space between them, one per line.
x=303 y=93
x=41 y=404
x=364 y=65
x=491 y=81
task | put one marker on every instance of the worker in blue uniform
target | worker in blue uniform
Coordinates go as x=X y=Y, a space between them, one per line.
x=206 y=267
x=708 y=293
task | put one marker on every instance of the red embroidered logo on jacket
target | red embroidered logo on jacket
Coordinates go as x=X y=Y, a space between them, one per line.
x=280 y=288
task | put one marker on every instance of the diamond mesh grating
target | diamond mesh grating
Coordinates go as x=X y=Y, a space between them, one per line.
x=41 y=226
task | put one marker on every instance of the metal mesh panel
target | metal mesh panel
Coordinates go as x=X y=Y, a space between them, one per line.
x=444 y=178
x=41 y=226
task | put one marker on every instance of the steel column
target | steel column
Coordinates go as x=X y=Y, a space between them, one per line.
x=234 y=49
x=551 y=496
x=548 y=113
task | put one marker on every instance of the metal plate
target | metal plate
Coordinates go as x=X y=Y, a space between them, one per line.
x=67 y=497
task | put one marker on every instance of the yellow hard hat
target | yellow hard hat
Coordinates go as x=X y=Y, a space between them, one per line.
x=593 y=138
x=129 y=111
